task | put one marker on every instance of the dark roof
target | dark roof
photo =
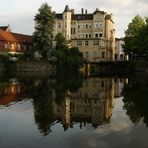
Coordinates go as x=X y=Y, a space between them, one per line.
x=98 y=11
x=59 y=16
x=109 y=17
x=76 y=16
x=23 y=38
x=4 y=27
x=66 y=9
x=82 y=17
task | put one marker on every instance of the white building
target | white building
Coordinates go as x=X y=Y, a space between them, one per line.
x=119 y=51
x=93 y=33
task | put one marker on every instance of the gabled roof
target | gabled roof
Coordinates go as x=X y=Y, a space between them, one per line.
x=14 y=37
x=22 y=37
x=7 y=36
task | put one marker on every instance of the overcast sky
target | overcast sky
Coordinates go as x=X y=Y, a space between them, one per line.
x=20 y=13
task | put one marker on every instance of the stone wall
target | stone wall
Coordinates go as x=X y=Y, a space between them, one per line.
x=35 y=67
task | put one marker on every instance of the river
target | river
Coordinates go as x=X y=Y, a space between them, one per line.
x=73 y=111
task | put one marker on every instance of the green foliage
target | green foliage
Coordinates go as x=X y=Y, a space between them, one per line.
x=71 y=58
x=43 y=35
x=60 y=42
x=136 y=36
x=134 y=27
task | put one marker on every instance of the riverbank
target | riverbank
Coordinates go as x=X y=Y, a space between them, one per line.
x=108 y=68
x=31 y=67
x=42 y=67
x=141 y=67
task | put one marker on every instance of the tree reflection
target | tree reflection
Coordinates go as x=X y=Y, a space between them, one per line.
x=42 y=102
x=45 y=93
x=135 y=100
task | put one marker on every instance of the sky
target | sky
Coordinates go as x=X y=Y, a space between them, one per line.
x=19 y=14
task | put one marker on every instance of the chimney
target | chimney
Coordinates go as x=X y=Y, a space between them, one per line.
x=82 y=10
x=85 y=11
x=73 y=11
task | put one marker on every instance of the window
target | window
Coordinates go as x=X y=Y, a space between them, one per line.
x=73 y=30
x=86 y=35
x=100 y=34
x=96 y=35
x=12 y=46
x=87 y=54
x=102 y=84
x=82 y=35
x=96 y=25
x=96 y=42
x=89 y=26
x=103 y=55
x=100 y=25
x=115 y=57
x=86 y=26
x=121 y=57
x=94 y=54
x=86 y=43
x=59 y=25
x=86 y=95
x=78 y=26
x=89 y=35
x=79 y=43
x=5 y=45
x=18 y=47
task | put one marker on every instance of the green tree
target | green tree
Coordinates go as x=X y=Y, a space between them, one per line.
x=60 y=42
x=131 y=34
x=69 y=58
x=43 y=35
x=134 y=27
x=135 y=99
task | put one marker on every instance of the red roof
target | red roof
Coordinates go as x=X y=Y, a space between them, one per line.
x=7 y=36
x=14 y=37
x=22 y=37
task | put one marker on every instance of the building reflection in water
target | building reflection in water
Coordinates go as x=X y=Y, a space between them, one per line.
x=11 y=91
x=90 y=101
x=119 y=85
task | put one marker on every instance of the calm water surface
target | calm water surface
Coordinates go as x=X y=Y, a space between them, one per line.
x=69 y=112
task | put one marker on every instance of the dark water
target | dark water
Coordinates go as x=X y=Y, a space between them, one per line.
x=73 y=111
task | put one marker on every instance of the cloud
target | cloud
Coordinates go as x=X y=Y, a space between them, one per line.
x=123 y=11
x=20 y=14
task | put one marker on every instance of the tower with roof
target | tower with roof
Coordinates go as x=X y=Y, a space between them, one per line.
x=93 y=33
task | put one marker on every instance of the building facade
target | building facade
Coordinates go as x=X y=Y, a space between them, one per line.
x=120 y=55
x=92 y=103
x=93 y=33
